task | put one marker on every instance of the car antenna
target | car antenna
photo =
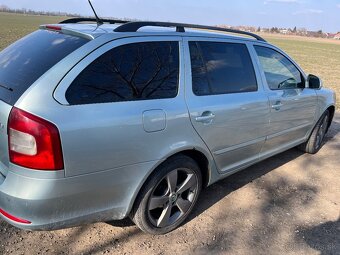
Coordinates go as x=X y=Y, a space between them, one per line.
x=99 y=21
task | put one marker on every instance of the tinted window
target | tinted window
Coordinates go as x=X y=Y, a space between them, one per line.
x=137 y=71
x=279 y=71
x=22 y=63
x=221 y=68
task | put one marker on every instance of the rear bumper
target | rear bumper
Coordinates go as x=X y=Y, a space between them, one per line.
x=60 y=203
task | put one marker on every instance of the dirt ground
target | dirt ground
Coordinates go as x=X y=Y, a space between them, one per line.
x=288 y=204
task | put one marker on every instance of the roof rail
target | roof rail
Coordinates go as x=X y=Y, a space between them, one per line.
x=78 y=20
x=180 y=27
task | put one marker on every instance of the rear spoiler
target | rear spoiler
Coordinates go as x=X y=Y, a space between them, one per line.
x=66 y=31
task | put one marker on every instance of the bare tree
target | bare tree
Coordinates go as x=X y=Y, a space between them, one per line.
x=143 y=70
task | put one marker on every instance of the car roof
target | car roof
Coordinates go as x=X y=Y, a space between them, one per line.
x=92 y=31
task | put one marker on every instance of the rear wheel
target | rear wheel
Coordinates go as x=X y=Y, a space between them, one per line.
x=168 y=197
x=314 y=143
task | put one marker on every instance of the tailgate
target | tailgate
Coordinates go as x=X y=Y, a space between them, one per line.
x=5 y=110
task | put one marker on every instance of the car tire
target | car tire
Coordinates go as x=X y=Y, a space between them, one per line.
x=314 y=143
x=168 y=196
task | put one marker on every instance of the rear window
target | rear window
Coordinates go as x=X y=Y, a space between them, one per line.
x=221 y=68
x=25 y=61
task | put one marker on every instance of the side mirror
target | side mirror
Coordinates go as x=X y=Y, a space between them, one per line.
x=314 y=82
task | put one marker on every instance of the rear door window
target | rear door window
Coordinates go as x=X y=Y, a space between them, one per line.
x=131 y=72
x=25 y=61
x=221 y=68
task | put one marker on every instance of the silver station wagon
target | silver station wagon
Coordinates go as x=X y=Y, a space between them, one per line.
x=132 y=119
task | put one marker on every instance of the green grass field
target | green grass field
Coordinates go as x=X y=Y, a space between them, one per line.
x=317 y=56
x=15 y=26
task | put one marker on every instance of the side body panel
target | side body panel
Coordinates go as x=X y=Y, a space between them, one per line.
x=292 y=113
x=292 y=122
x=326 y=99
x=236 y=134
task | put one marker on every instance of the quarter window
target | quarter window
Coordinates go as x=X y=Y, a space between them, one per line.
x=138 y=71
x=279 y=71
x=221 y=68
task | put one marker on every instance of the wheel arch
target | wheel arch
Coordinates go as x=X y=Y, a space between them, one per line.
x=331 y=110
x=203 y=159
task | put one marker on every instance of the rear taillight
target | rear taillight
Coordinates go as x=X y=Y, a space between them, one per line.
x=33 y=142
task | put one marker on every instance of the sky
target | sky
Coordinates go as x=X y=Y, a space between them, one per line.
x=309 y=14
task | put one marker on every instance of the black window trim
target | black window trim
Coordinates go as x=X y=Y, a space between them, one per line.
x=303 y=74
x=220 y=40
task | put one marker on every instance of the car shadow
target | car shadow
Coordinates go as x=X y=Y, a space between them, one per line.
x=121 y=223
x=324 y=238
x=332 y=133
x=216 y=192
x=223 y=188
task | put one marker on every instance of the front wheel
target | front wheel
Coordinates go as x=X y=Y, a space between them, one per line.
x=168 y=197
x=314 y=143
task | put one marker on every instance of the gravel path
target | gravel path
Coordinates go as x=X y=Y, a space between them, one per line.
x=288 y=204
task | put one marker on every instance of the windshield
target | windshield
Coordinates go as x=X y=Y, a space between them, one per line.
x=25 y=61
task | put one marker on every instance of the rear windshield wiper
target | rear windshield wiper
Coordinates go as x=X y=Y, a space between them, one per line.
x=5 y=87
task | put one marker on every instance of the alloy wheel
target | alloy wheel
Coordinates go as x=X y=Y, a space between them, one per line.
x=321 y=132
x=172 y=197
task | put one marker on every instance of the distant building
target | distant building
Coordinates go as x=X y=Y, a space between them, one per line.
x=337 y=36
x=330 y=35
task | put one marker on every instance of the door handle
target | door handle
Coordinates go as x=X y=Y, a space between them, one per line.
x=206 y=117
x=277 y=106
